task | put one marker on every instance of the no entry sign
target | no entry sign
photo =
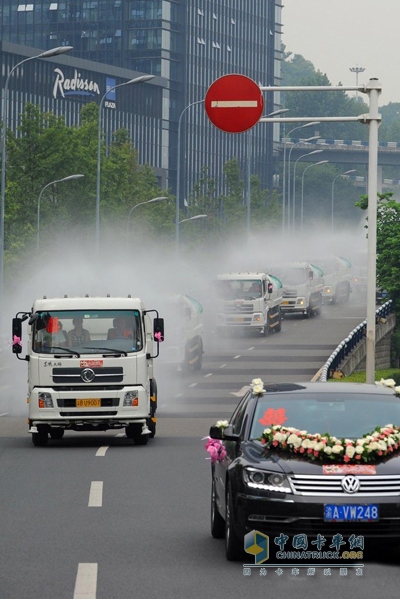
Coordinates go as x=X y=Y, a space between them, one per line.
x=234 y=103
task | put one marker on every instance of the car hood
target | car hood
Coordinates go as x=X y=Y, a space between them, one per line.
x=253 y=454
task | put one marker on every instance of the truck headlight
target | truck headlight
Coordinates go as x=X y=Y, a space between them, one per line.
x=257 y=318
x=131 y=398
x=300 y=301
x=45 y=400
x=266 y=480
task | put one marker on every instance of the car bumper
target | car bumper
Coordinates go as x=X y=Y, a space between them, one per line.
x=305 y=515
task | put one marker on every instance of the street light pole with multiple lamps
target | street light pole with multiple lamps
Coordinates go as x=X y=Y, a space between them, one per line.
x=139 y=79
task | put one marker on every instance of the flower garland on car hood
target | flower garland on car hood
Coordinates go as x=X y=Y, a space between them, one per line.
x=372 y=446
x=324 y=447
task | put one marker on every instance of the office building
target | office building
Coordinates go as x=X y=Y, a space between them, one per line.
x=186 y=44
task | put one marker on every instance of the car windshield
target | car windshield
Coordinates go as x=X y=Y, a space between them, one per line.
x=87 y=332
x=342 y=415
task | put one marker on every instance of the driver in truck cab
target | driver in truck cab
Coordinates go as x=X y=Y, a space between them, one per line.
x=50 y=337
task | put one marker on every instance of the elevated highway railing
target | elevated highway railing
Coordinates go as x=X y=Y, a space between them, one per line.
x=354 y=344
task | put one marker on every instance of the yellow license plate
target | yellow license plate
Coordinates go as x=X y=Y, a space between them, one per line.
x=285 y=302
x=238 y=319
x=88 y=402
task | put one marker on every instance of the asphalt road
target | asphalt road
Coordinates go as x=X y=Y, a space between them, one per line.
x=93 y=516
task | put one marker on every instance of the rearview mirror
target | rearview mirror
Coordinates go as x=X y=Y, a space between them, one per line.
x=158 y=329
x=16 y=335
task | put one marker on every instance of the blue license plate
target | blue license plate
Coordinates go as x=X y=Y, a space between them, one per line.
x=351 y=512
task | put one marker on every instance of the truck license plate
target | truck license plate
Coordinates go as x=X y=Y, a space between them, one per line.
x=88 y=402
x=238 y=319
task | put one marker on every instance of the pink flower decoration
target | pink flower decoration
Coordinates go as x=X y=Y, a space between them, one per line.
x=216 y=450
x=16 y=340
x=158 y=336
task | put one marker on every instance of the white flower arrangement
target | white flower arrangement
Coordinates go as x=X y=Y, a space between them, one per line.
x=222 y=424
x=390 y=383
x=371 y=447
x=257 y=387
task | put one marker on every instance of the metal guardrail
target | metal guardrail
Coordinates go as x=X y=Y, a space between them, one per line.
x=353 y=339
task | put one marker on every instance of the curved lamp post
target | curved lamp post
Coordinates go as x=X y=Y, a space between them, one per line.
x=178 y=175
x=294 y=181
x=46 y=54
x=152 y=201
x=69 y=178
x=139 y=79
x=191 y=219
x=284 y=170
x=321 y=162
x=333 y=187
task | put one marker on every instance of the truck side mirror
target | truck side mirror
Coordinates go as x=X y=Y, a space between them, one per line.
x=270 y=288
x=158 y=329
x=311 y=275
x=16 y=335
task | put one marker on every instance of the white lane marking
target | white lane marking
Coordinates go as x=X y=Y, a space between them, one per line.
x=222 y=366
x=86 y=581
x=252 y=348
x=102 y=450
x=234 y=104
x=238 y=356
x=193 y=385
x=208 y=375
x=96 y=494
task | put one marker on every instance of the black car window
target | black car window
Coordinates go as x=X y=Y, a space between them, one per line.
x=238 y=415
x=343 y=415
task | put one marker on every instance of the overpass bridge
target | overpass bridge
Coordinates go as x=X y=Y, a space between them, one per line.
x=345 y=152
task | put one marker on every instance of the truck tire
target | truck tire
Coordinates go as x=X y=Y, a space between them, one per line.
x=199 y=362
x=134 y=432
x=278 y=327
x=41 y=437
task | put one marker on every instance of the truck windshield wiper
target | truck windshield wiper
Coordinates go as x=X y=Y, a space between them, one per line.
x=110 y=350
x=73 y=352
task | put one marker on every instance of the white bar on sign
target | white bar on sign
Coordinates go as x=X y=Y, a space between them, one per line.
x=234 y=104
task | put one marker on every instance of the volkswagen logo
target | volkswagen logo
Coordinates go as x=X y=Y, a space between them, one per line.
x=87 y=375
x=350 y=484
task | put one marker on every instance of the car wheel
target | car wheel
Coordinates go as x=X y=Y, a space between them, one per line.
x=56 y=434
x=217 y=522
x=233 y=545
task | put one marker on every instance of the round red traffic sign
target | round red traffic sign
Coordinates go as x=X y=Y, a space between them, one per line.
x=234 y=103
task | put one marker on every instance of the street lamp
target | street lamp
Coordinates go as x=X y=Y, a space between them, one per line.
x=69 y=178
x=302 y=141
x=284 y=169
x=321 y=162
x=357 y=70
x=333 y=187
x=152 y=201
x=275 y=113
x=294 y=183
x=46 y=54
x=139 y=79
x=194 y=218
x=178 y=174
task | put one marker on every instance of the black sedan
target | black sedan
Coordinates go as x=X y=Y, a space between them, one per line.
x=314 y=459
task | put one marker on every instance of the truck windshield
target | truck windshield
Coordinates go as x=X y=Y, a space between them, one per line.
x=232 y=289
x=292 y=276
x=87 y=332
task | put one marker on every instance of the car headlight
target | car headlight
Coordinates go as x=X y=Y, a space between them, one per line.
x=265 y=480
x=131 y=398
x=45 y=400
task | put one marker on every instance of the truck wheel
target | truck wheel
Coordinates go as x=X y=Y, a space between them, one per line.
x=278 y=327
x=134 y=432
x=56 y=433
x=266 y=326
x=152 y=426
x=199 y=362
x=40 y=438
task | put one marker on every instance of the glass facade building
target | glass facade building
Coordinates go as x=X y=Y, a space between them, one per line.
x=187 y=44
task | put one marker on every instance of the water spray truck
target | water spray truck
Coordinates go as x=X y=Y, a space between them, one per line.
x=90 y=366
x=303 y=284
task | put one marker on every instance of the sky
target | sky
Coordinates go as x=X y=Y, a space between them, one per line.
x=336 y=35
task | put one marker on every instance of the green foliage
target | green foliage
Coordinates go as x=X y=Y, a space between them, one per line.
x=360 y=376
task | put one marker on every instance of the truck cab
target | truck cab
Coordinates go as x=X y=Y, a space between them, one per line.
x=337 y=279
x=90 y=366
x=248 y=301
x=303 y=283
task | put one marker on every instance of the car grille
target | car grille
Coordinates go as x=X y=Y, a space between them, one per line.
x=330 y=485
